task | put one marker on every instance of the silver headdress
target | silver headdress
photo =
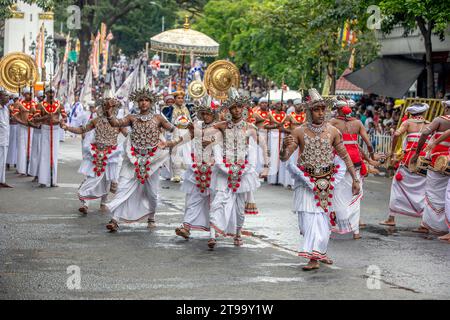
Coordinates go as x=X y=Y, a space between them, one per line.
x=205 y=104
x=315 y=99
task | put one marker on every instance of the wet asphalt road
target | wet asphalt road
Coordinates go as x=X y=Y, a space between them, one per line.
x=42 y=235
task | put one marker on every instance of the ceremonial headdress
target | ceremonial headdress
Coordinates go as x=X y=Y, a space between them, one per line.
x=417 y=108
x=167 y=97
x=143 y=93
x=179 y=93
x=204 y=104
x=235 y=100
x=446 y=104
x=91 y=103
x=26 y=90
x=40 y=93
x=315 y=99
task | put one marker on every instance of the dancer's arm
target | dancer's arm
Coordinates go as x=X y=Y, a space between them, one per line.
x=81 y=130
x=290 y=144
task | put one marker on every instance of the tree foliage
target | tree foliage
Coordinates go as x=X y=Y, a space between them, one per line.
x=288 y=40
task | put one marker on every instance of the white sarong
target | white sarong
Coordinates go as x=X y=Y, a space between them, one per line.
x=347 y=206
x=97 y=186
x=447 y=206
x=227 y=213
x=407 y=194
x=22 y=147
x=434 y=212
x=3 y=155
x=197 y=204
x=314 y=223
x=275 y=143
x=135 y=201
x=44 y=163
x=11 y=159
x=33 y=170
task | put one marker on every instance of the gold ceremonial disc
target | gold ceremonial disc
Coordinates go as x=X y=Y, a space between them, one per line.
x=220 y=77
x=441 y=163
x=196 y=89
x=17 y=70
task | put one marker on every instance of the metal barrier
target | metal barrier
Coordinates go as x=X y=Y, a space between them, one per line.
x=381 y=143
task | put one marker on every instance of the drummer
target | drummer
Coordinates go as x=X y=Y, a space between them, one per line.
x=408 y=187
x=433 y=219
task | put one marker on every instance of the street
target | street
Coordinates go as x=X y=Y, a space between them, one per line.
x=43 y=237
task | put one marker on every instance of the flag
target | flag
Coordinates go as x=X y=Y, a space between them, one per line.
x=351 y=62
x=40 y=48
x=105 y=52
x=86 y=91
x=348 y=36
x=125 y=89
x=63 y=84
x=113 y=84
x=95 y=56
x=66 y=52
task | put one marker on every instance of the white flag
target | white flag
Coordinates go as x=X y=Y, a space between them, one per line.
x=86 y=91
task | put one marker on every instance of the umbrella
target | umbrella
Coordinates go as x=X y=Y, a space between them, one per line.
x=183 y=42
x=390 y=77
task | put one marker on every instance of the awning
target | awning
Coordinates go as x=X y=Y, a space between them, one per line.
x=389 y=77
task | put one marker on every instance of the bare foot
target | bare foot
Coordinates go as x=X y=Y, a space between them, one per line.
x=83 y=209
x=112 y=226
x=327 y=261
x=103 y=207
x=362 y=225
x=312 y=265
x=388 y=222
x=421 y=230
x=238 y=242
x=445 y=238
x=151 y=224
x=183 y=232
x=35 y=179
x=211 y=243
x=4 y=185
x=356 y=236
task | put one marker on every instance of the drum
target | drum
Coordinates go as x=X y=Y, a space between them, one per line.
x=442 y=165
x=420 y=167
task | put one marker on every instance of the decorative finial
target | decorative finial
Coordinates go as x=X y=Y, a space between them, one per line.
x=186 y=24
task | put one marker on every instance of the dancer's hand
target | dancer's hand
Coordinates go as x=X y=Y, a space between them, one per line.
x=429 y=147
x=288 y=141
x=356 y=188
x=413 y=160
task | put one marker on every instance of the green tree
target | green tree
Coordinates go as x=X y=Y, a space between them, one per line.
x=288 y=40
x=430 y=16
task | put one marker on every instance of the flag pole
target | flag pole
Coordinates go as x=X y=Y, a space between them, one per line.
x=51 y=134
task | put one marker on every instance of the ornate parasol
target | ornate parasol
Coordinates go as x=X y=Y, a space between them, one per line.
x=185 y=42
